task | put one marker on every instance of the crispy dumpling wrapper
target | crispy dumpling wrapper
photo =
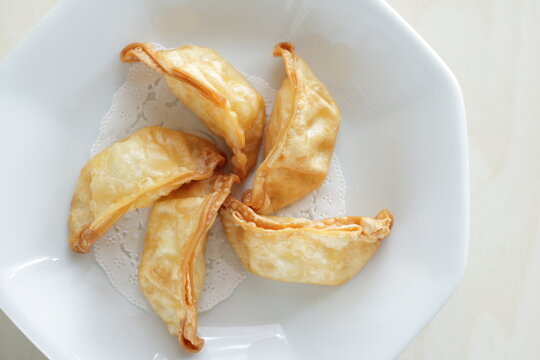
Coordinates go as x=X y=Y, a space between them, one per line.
x=172 y=267
x=133 y=173
x=215 y=91
x=324 y=252
x=299 y=140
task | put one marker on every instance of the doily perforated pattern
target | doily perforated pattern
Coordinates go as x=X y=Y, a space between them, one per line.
x=145 y=100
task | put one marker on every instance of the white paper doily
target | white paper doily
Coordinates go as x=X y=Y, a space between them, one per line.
x=144 y=100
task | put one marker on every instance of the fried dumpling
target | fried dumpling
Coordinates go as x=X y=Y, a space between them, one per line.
x=172 y=268
x=215 y=91
x=133 y=173
x=325 y=252
x=299 y=139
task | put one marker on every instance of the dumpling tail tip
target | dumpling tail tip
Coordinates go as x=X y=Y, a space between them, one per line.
x=283 y=46
x=127 y=56
x=386 y=214
x=192 y=346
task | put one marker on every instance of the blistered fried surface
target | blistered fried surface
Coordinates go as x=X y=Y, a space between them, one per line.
x=325 y=252
x=215 y=91
x=133 y=173
x=172 y=267
x=299 y=139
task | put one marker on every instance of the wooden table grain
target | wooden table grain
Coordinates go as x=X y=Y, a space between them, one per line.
x=493 y=47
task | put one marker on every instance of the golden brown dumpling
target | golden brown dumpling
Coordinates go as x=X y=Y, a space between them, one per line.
x=172 y=268
x=215 y=91
x=299 y=140
x=133 y=173
x=325 y=252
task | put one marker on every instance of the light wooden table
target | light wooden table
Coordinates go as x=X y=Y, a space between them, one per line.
x=493 y=47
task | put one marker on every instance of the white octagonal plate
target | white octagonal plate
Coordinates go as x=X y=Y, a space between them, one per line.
x=402 y=146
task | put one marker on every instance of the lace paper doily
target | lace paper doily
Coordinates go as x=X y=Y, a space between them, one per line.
x=144 y=100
